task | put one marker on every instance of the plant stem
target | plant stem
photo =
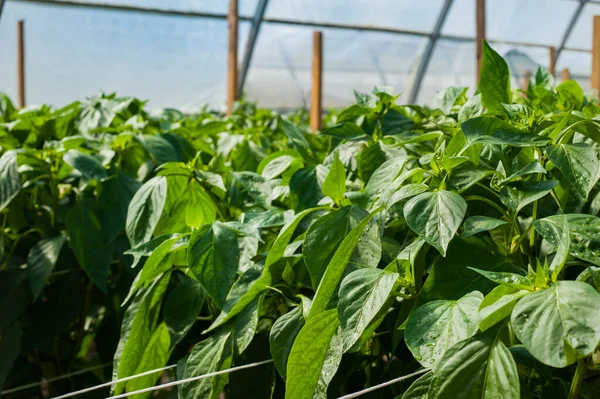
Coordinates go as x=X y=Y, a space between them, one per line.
x=578 y=379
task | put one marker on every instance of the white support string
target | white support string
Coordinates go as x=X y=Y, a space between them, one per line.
x=385 y=384
x=62 y=377
x=107 y=384
x=184 y=381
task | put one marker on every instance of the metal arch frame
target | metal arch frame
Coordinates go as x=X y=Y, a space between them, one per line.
x=424 y=62
x=569 y=29
x=1 y=7
x=259 y=14
x=261 y=7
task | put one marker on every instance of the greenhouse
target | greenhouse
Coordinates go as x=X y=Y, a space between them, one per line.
x=300 y=199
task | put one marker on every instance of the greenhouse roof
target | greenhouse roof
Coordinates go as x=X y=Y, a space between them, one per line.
x=175 y=55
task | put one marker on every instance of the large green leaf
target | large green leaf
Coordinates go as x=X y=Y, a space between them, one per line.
x=478 y=224
x=480 y=367
x=522 y=193
x=136 y=331
x=362 y=295
x=156 y=355
x=117 y=192
x=325 y=235
x=89 y=166
x=345 y=131
x=445 y=99
x=214 y=257
x=182 y=307
x=419 y=388
x=559 y=325
x=86 y=238
x=578 y=163
x=10 y=180
x=334 y=185
x=282 y=337
x=41 y=261
x=498 y=304
x=256 y=286
x=145 y=210
x=451 y=277
x=494 y=81
x=336 y=267
x=213 y=354
x=436 y=216
x=583 y=233
x=435 y=326
x=308 y=355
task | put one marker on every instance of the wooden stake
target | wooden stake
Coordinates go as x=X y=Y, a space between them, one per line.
x=596 y=54
x=526 y=80
x=317 y=81
x=479 y=34
x=21 y=63
x=552 y=60
x=232 y=56
x=566 y=74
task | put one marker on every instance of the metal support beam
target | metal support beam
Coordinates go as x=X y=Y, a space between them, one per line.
x=1 y=7
x=427 y=53
x=569 y=29
x=261 y=7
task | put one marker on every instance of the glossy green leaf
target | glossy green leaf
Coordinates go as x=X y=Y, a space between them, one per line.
x=213 y=354
x=117 y=192
x=41 y=260
x=494 y=81
x=436 y=217
x=277 y=166
x=345 y=131
x=559 y=325
x=89 y=166
x=478 y=367
x=256 y=186
x=522 y=193
x=156 y=355
x=478 y=224
x=145 y=210
x=498 y=304
x=10 y=180
x=513 y=280
x=419 y=388
x=182 y=307
x=435 y=326
x=85 y=234
x=584 y=242
x=446 y=98
x=335 y=269
x=214 y=258
x=334 y=185
x=362 y=295
x=308 y=355
x=282 y=337
x=578 y=163
x=570 y=95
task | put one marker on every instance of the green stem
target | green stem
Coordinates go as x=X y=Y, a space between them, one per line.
x=578 y=379
x=487 y=201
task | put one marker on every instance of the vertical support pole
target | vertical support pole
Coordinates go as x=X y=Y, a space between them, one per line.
x=525 y=82
x=566 y=74
x=21 y=63
x=232 y=56
x=596 y=54
x=317 y=81
x=552 y=60
x=479 y=34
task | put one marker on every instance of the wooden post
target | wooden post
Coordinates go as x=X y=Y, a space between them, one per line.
x=526 y=80
x=21 y=63
x=552 y=60
x=317 y=81
x=479 y=34
x=596 y=54
x=232 y=56
x=566 y=74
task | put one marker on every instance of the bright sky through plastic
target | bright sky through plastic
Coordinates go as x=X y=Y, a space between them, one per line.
x=72 y=53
